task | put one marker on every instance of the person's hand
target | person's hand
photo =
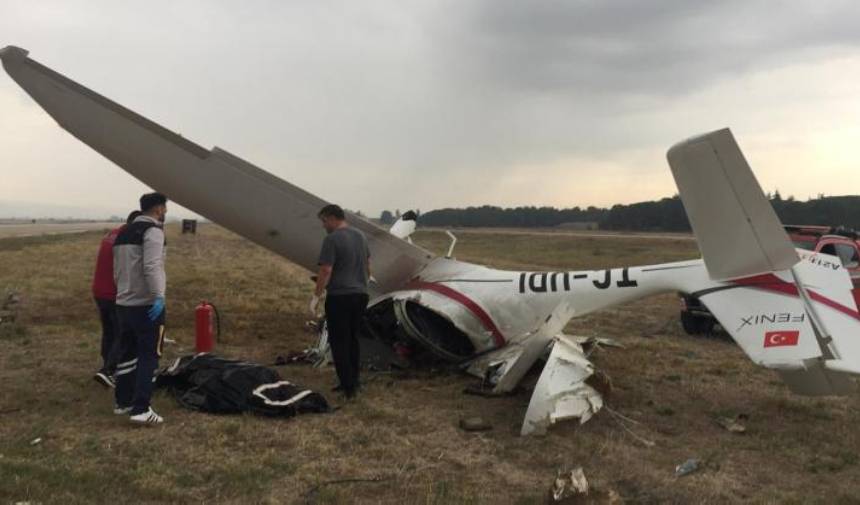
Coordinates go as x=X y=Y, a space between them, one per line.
x=314 y=306
x=157 y=308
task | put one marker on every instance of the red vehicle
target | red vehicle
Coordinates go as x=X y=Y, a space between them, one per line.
x=840 y=242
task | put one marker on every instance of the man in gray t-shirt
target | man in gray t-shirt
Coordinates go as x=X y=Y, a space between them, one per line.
x=344 y=271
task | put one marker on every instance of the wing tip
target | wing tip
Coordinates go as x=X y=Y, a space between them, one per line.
x=13 y=53
x=680 y=146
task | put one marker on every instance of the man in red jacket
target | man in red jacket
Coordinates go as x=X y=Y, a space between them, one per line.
x=104 y=292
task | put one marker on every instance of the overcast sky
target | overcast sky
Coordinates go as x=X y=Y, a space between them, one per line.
x=397 y=104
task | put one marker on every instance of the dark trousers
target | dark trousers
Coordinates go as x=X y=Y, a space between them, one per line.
x=139 y=346
x=344 y=315
x=110 y=334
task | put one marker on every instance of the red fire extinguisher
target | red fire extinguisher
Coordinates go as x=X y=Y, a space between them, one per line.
x=207 y=320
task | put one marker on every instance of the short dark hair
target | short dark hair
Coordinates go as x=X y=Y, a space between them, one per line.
x=132 y=216
x=331 y=210
x=151 y=200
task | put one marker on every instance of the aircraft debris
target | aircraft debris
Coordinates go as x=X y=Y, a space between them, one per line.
x=586 y=342
x=36 y=441
x=9 y=307
x=688 y=467
x=475 y=423
x=733 y=424
x=569 y=486
x=561 y=392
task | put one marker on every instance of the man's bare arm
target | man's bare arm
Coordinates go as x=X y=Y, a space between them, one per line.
x=323 y=276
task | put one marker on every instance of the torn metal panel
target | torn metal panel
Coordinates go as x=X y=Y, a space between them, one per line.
x=561 y=392
x=532 y=349
x=493 y=365
x=596 y=341
x=569 y=486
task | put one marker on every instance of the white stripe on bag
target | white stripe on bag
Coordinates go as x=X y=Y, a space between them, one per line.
x=283 y=403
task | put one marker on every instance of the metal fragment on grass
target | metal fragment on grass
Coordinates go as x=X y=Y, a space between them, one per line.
x=569 y=484
x=688 y=467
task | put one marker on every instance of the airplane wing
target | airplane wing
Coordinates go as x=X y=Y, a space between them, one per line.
x=213 y=183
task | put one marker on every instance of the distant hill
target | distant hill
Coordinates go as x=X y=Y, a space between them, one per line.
x=666 y=214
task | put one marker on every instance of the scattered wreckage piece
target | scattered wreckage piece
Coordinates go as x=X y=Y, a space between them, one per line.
x=569 y=486
x=475 y=423
x=561 y=392
x=208 y=383
x=9 y=308
x=733 y=424
x=688 y=467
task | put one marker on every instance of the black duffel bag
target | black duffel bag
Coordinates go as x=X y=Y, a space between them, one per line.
x=209 y=383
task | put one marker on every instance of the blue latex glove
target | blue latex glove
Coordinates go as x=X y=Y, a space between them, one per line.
x=156 y=309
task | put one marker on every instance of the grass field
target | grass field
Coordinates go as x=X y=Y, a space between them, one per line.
x=401 y=436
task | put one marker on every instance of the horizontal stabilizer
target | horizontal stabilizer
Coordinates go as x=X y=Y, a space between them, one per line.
x=736 y=228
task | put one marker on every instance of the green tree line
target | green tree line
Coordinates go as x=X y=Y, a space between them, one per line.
x=666 y=214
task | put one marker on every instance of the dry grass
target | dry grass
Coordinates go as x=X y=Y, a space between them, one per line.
x=403 y=429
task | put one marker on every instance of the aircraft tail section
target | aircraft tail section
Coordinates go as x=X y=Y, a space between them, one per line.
x=736 y=228
x=795 y=316
x=813 y=343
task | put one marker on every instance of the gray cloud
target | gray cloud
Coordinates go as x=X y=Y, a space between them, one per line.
x=633 y=47
x=388 y=104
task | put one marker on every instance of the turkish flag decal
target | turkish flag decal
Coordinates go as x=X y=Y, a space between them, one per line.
x=781 y=338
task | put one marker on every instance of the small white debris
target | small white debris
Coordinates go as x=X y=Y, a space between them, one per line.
x=571 y=484
x=687 y=467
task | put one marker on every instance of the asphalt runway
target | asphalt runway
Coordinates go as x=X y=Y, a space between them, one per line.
x=35 y=230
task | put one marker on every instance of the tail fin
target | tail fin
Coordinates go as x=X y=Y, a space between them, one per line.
x=797 y=317
x=736 y=228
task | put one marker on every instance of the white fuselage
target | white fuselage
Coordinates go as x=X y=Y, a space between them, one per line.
x=498 y=307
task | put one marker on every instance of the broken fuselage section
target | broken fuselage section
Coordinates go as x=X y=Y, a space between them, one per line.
x=497 y=324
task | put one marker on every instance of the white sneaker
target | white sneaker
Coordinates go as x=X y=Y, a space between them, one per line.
x=122 y=410
x=148 y=417
x=104 y=379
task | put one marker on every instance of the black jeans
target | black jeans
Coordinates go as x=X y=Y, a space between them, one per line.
x=139 y=349
x=344 y=315
x=110 y=334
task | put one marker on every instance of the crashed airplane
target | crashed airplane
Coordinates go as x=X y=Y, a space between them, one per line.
x=497 y=324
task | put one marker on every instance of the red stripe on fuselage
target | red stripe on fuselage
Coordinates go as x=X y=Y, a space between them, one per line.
x=770 y=282
x=465 y=301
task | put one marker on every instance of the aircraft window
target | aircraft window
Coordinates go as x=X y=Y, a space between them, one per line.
x=848 y=255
